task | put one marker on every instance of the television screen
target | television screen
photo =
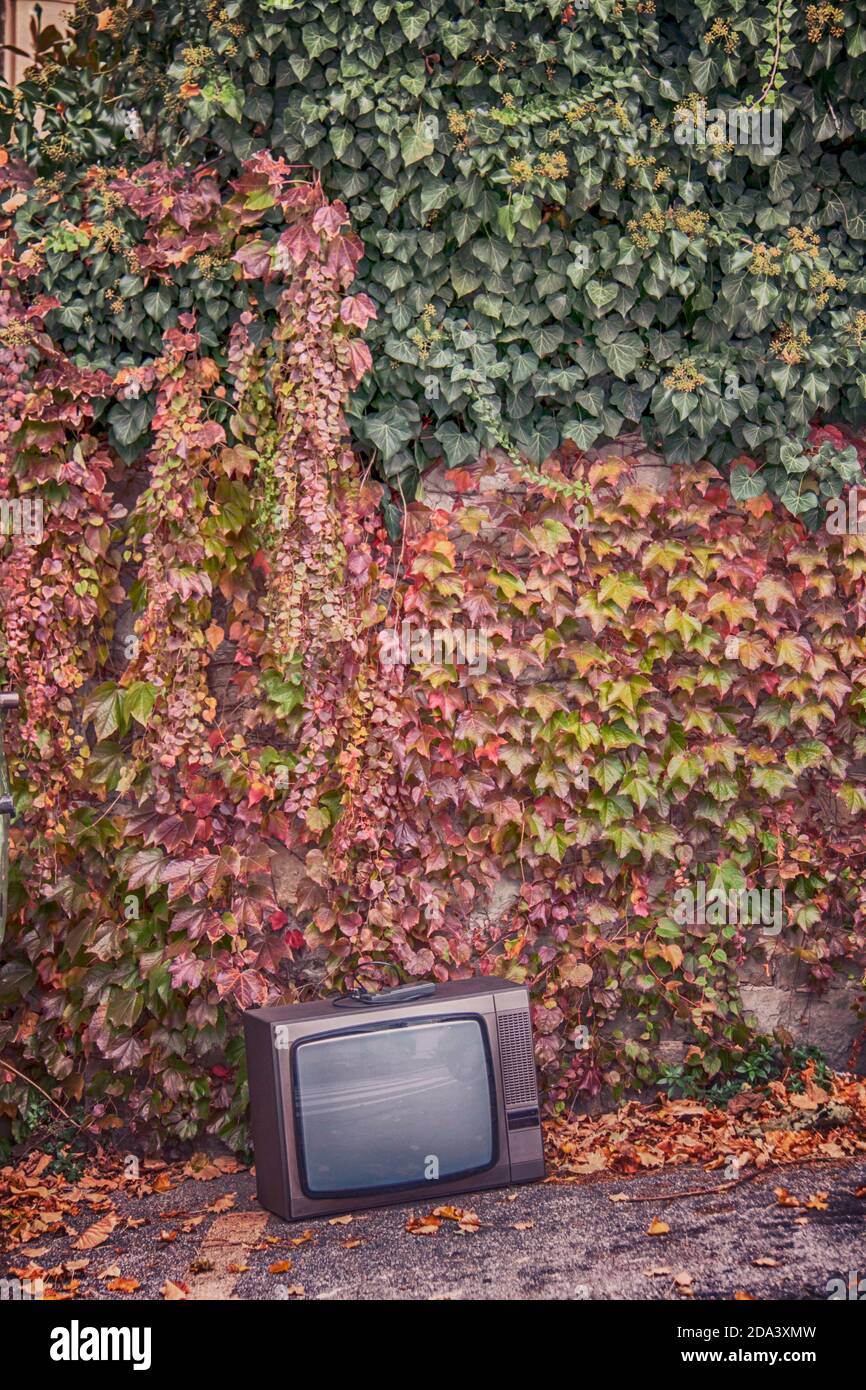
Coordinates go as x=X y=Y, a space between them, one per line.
x=394 y=1104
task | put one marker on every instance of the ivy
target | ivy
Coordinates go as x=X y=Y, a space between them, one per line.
x=521 y=170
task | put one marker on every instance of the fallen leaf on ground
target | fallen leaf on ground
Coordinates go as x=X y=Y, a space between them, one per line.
x=467 y=1221
x=281 y=1267
x=818 y=1201
x=422 y=1225
x=339 y=1220
x=658 y=1228
x=96 y=1234
x=224 y=1203
x=174 y=1291
x=765 y=1262
x=124 y=1286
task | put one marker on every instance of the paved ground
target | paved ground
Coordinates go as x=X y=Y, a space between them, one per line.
x=546 y=1241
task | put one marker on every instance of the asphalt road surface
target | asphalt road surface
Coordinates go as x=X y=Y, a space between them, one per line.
x=546 y=1241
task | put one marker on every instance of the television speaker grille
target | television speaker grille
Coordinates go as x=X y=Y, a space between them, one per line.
x=517 y=1057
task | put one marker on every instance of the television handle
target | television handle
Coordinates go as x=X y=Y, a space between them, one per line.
x=400 y=994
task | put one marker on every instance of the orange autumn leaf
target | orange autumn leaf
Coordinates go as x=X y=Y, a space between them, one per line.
x=422 y=1225
x=96 y=1234
x=658 y=1228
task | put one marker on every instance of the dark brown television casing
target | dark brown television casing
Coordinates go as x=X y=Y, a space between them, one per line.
x=503 y=1011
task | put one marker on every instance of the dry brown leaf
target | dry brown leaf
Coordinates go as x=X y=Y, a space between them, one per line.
x=467 y=1221
x=174 y=1290
x=658 y=1228
x=224 y=1203
x=422 y=1225
x=227 y=1164
x=237 y=1268
x=339 y=1220
x=96 y=1234
x=803 y=1102
x=124 y=1286
x=786 y=1198
x=281 y=1267
x=765 y=1262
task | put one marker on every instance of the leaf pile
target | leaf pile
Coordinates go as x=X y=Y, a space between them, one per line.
x=760 y=1129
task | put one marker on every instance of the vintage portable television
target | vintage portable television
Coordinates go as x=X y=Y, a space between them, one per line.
x=416 y=1093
